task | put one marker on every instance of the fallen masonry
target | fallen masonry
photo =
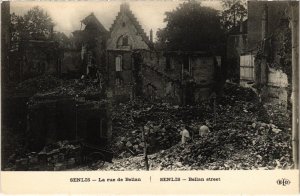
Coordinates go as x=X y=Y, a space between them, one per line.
x=244 y=133
x=57 y=117
x=59 y=156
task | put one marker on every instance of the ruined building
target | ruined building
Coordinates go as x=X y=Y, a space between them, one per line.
x=261 y=48
x=137 y=69
x=126 y=38
x=89 y=50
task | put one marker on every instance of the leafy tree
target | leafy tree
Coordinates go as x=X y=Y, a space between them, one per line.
x=190 y=27
x=234 y=11
x=35 y=24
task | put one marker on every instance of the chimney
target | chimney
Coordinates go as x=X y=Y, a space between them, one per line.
x=151 y=36
x=264 y=22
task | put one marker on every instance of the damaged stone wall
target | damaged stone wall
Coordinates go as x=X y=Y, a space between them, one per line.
x=164 y=73
x=88 y=55
x=121 y=77
x=126 y=25
x=276 y=90
x=160 y=75
x=157 y=84
x=273 y=68
x=58 y=118
x=255 y=11
x=33 y=58
x=72 y=63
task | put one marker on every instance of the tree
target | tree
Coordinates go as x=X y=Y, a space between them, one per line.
x=190 y=27
x=234 y=12
x=35 y=24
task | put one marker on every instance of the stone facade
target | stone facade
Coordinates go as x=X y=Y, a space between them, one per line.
x=126 y=36
x=277 y=11
x=266 y=33
x=126 y=33
x=91 y=46
x=136 y=69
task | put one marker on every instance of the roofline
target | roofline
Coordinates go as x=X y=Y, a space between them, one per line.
x=138 y=26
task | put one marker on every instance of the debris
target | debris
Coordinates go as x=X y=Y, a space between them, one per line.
x=241 y=138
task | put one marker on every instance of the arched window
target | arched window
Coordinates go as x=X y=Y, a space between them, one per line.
x=125 y=41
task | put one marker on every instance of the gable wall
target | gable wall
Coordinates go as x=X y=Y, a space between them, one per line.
x=135 y=40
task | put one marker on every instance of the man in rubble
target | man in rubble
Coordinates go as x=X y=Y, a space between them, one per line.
x=204 y=129
x=185 y=135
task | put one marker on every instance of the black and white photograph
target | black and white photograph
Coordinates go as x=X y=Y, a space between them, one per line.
x=149 y=85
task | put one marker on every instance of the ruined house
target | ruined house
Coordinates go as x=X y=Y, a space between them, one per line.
x=88 y=54
x=259 y=45
x=184 y=77
x=126 y=37
x=137 y=69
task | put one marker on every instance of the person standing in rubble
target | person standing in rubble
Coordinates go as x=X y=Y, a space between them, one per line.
x=204 y=129
x=185 y=135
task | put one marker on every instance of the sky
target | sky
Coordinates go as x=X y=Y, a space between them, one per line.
x=67 y=15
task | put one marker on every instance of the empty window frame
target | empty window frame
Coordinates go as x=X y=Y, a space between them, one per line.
x=118 y=63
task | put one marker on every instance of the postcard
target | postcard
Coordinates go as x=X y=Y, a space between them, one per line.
x=150 y=97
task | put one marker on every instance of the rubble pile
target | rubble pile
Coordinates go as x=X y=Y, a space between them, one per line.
x=240 y=104
x=279 y=113
x=244 y=136
x=74 y=87
x=254 y=146
x=41 y=83
x=53 y=157
x=160 y=122
x=46 y=85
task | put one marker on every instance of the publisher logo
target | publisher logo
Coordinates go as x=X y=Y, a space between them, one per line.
x=283 y=181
